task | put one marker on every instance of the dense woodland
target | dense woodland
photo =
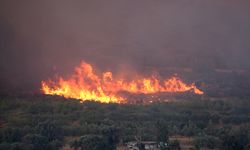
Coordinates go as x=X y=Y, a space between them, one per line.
x=48 y=122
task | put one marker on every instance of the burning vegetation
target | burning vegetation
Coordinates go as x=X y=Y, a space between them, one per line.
x=85 y=84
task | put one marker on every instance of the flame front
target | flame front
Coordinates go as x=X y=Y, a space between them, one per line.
x=85 y=84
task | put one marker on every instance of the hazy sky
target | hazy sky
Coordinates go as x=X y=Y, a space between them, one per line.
x=39 y=38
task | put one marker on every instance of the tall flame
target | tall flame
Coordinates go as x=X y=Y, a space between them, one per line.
x=85 y=84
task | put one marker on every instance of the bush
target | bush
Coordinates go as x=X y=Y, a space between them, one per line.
x=91 y=142
x=36 y=141
x=55 y=145
x=236 y=139
x=50 y=129
x=11 y=134
x=206 y=141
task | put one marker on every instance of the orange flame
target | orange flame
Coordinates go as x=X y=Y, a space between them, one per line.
x=84 y=84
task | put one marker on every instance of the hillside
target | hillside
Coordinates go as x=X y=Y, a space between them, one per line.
x=50 y=122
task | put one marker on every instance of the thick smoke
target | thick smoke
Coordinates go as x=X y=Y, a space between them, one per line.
x=44 y=37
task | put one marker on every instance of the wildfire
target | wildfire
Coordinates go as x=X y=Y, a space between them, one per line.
x=85 y=84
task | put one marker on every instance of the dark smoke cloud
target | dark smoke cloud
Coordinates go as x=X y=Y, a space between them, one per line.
x=41 y=38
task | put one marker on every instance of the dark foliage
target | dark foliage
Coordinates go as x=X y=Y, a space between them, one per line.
x=43 y=122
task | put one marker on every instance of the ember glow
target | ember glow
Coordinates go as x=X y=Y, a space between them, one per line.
x=85 y=84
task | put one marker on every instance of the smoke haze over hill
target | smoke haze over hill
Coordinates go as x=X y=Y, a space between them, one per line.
x=41 y=38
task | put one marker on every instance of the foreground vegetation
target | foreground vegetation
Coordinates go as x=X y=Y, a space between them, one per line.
x=45 y=122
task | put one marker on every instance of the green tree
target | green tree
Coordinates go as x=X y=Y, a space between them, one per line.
x=162 y=135
x=11 y=134
x=93 y=142
x=112 y=136
x=36 y=141
x=55 y=145
x=236 y=139
x=50 y=129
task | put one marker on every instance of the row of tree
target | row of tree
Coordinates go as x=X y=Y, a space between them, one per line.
x=44 y=122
